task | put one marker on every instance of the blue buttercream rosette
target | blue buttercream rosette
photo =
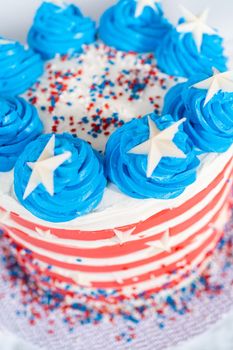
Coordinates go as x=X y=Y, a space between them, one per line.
x=179 y=55
x=59 y=178
x=122 y=28
x=129 y=171
x=19 y=125
x=209 y=125
x=173 y=102
x=20 y=68
x=60 y=30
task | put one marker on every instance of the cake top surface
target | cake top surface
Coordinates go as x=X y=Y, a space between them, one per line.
x=92 y=94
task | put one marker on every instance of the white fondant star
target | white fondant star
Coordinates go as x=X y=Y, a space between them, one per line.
x=5 y=41
x=128 y=291
x=141 y=4
x=43 y=169
x=218 y=82
x=4 y=215
x=123 y=236
x=160 y=144
x=162 y=245
x=118 y=279
x=195 y=25
x=42 y=233
x=80 y=279
x=221 y=220
x=182 y=263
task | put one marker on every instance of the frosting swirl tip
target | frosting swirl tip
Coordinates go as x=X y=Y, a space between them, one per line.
x=19 y=125
x=190 y=47
x=59 y=178
x=20 y=67
x=133 y=26
x=206 y=100
x=60 y=30
x=151 y=157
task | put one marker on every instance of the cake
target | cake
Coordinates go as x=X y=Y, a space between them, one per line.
x=115 y=177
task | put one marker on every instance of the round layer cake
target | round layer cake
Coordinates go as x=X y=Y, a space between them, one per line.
x=127 y=244
x=122 y=244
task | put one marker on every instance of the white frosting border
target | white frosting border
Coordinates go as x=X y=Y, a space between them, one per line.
x=117 y=209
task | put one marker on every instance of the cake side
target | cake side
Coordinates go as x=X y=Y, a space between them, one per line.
x=135 y=253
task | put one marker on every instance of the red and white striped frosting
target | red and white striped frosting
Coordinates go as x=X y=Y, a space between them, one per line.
x=151 y=254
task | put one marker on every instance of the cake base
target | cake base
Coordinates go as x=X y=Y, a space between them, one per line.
x=172 y=320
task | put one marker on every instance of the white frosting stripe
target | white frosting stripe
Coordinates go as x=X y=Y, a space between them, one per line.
x=118 y=210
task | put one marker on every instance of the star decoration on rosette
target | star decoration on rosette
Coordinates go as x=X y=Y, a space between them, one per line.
x=43 y=169
x=196 y=25
x=206 y=99
x=141 y=4
x=218 y=82
x=164 y=244
x=123 y=236
x=151 y=157
x=160 y=144
x=59 y=178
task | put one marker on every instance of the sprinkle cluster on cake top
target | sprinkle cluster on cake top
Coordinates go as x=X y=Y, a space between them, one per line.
x=112 y=87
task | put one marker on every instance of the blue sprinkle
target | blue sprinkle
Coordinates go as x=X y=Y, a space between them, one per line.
x=80 y=307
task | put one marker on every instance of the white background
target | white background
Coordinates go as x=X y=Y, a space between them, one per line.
x=15 y=19
x=16 y=15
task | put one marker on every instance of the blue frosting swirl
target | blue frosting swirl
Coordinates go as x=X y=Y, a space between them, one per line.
x=173 y=102
x=20 y=68
x=128 y=171
x=209 y=126
x=178 y=54
x=79 y=182
x=59 y=30
x=19 y=125
x=121 y=29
